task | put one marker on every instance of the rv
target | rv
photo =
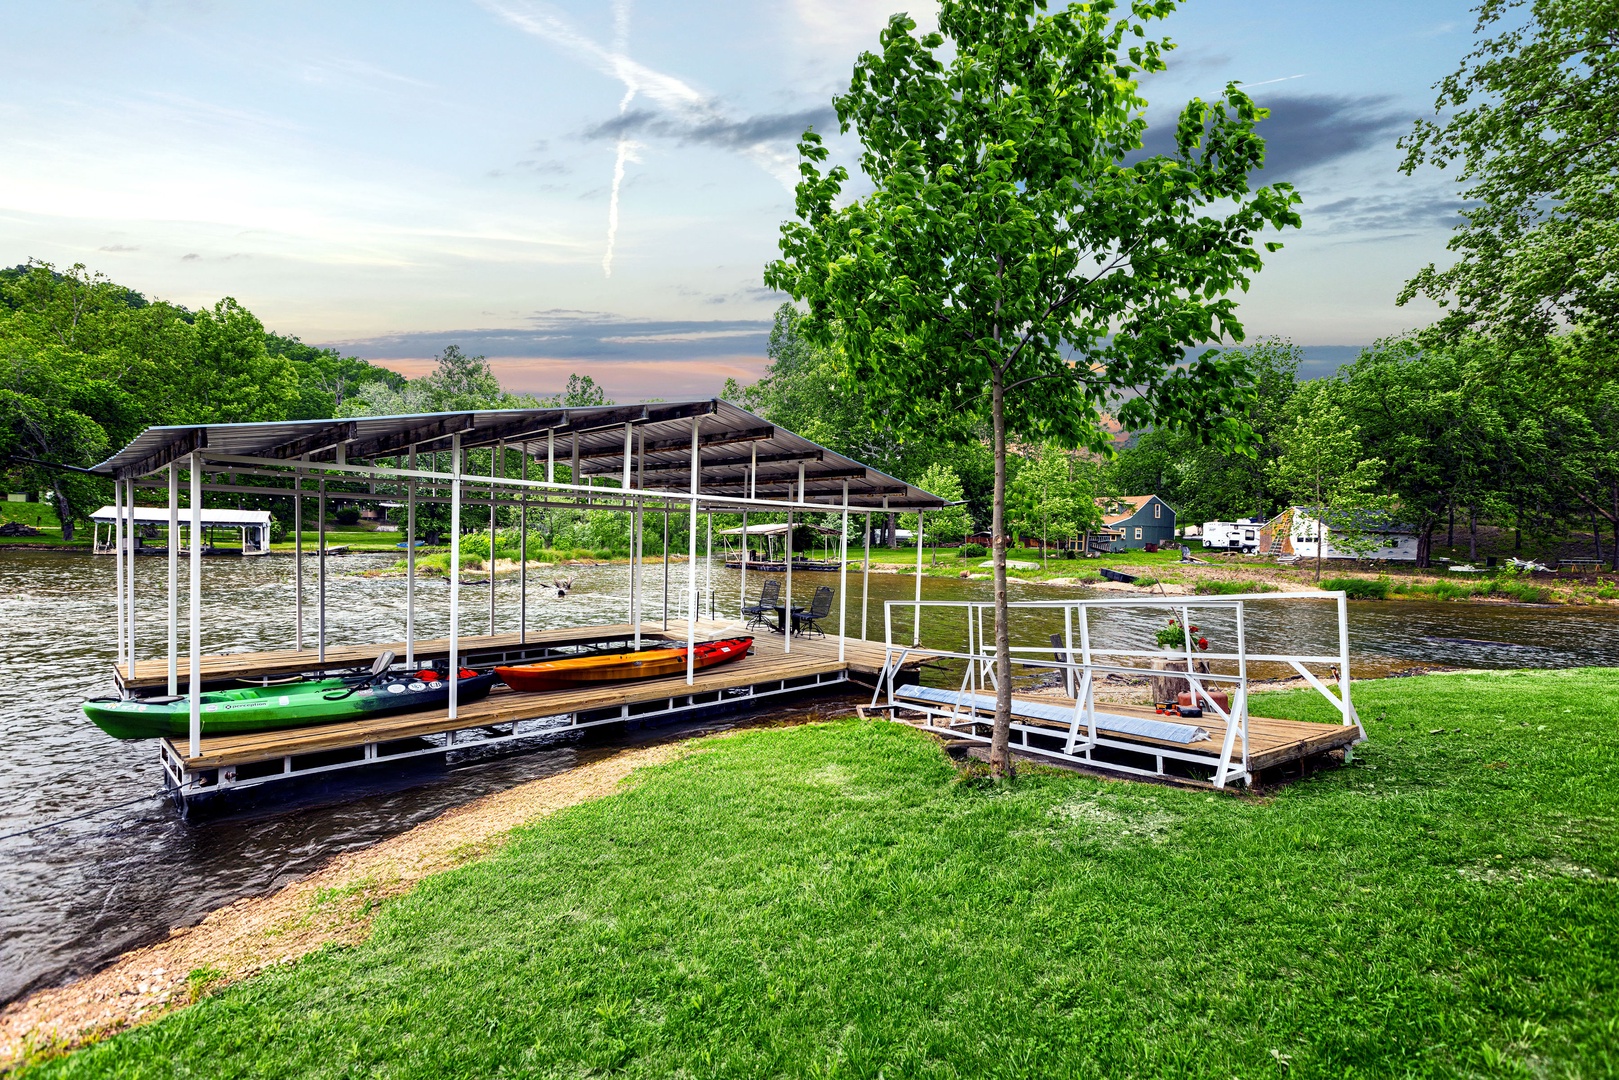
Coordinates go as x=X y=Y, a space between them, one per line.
x=1240 y=535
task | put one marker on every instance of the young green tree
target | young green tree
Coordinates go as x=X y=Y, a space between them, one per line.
x=1012 y=263
x=1530 y=120
x=1323 y=466
x=949 y=525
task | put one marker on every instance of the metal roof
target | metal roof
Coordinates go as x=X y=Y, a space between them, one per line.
x=728 y=436
x=158 y=515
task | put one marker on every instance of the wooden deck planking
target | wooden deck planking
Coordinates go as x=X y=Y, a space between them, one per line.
x=864 y=657
x=1271 y=741
x=810 y=657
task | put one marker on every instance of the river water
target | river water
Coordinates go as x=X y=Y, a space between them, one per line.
x=74 y=896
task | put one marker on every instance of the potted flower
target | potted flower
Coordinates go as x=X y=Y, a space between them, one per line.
x=1173 y=639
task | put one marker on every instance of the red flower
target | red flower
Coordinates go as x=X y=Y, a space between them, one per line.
x=1202 y=642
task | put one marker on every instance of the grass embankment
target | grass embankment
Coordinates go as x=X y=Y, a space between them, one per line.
x=1228 y=574
x=837 y=901
x=40 y=516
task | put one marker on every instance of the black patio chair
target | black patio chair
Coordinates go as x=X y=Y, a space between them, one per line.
x=769 y=599
x=805 y=620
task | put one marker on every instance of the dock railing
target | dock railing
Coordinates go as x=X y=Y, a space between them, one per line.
x=1083 y=663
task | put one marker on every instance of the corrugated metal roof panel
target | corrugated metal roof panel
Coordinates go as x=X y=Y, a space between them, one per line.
x=729 y=435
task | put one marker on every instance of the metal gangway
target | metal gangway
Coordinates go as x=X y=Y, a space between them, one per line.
x=1222 y=746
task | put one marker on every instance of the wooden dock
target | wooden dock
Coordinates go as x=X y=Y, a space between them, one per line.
x=238 y=760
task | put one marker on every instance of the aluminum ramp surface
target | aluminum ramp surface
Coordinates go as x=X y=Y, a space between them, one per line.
x=1055 y=713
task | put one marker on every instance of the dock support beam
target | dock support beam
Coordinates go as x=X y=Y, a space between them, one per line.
x=174 y=578
x=410 y=563
x=865 y=576
x=522 y=556
x=454 y=674
x=916 y=624
x=320 y=571
x=195 y=643
x=787 y=601
x=118 y=570
x=129 y=504
x=298 y=558
x=691 y=555
x=843 y=572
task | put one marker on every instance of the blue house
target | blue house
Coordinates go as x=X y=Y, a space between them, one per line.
x=1134 y=521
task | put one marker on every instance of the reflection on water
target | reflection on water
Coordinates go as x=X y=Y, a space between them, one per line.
x=75 y=896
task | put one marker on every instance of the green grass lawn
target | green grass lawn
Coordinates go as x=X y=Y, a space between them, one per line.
x=41 y=516
x=833 y=901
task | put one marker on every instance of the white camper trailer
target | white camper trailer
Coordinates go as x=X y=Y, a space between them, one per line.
x=1241 y=535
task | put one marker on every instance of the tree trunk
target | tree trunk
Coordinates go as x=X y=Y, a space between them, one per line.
x=64 y=511
x=893 y=531
x=1596 y=534
x=1425 y=544
x=1472 y=534
x=1450 y=538
x=1615 y=491
x=1000 y=754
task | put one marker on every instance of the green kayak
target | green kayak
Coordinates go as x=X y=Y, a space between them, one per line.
x=265 y=708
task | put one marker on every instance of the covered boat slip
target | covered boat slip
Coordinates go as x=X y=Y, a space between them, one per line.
x=1224 y=745
x=692 y=458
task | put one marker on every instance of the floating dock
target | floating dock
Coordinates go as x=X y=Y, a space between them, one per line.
x=237 y=761
x=1044 y=726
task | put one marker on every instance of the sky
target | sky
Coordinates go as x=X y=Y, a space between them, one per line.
x=596 y=187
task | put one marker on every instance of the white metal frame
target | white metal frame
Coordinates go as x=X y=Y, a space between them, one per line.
x=1080 y=676
x=417 y=485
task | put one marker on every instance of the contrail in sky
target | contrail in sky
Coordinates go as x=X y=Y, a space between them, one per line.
x=626 y=148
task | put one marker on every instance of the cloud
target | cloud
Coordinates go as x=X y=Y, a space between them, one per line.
x=1405 y=211
x=117 y=248
x=192 y=257
x=581 y=335
x=715 y=130
x=1306 y=131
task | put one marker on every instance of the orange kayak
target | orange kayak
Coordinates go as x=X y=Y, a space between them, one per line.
x=620 y=667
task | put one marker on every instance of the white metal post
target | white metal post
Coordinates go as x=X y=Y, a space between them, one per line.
x=916 y=626
x=195 y=613
x=496 y=453
x=320 y=571
x=753 y=474
x=174 y=578
x=691 y=557
x=410 y=564
x=454 y=674
x=1348 y=707
x=1068 y=650
x=129 y=500
x=708 y=564
x=638 y=547
x=865 y=577
x=666 y=566
x=742 y=591
x=118 y=570
x=787 y=601
x=298 y=557
x=843 y=573
x=522 y=556
x=550 y=455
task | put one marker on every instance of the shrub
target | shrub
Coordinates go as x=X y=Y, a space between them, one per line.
x=1145 y=582
x=1231 y=588
x=971 y=551
x=1358 y=588
x=347 y=515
